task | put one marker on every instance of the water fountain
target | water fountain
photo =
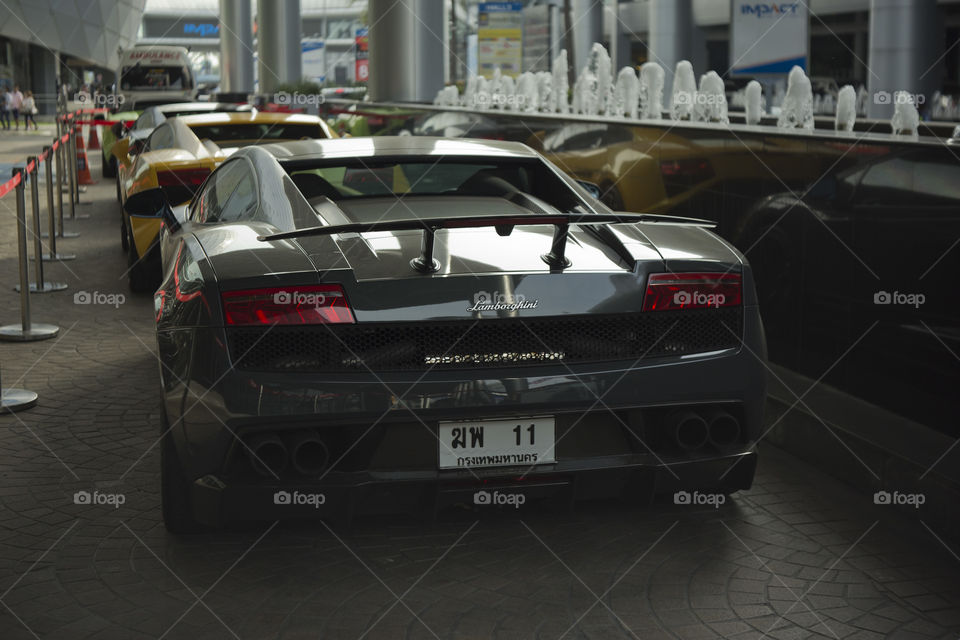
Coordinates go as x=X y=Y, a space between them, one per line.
x=797 y=108
x=561 y=86
x=906 y=118
x=711 y=102
x=627 y=92
x=846 y=109
x=684 y=92
x=753 y=102
x=528 y=94
x=651 y=81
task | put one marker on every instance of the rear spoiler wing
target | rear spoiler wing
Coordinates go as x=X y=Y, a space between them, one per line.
x=504 y=224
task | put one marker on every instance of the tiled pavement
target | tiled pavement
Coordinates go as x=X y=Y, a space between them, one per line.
x=797 y=556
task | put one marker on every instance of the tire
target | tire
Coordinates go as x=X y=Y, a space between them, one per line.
x=175 y=490
x=141 y=274
x=109 y=167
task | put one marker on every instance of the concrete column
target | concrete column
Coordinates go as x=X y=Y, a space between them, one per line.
x=43 y=78
x=236 y=47
x=406 y=50
x=901 y=51
x=671 y=29
x=587 y=29
x=278 y=43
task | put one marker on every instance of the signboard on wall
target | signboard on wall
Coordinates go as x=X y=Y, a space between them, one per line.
x=362 y=70
x=768 y=37
x=313 y=60
x=500 y=37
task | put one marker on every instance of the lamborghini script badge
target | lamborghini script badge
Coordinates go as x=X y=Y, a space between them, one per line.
x=484 y=301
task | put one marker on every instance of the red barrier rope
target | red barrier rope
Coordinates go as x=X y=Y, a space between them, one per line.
x=9 y=185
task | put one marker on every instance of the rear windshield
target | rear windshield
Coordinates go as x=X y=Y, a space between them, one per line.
x=154 y=78
x=512 y=180
x=255 y=133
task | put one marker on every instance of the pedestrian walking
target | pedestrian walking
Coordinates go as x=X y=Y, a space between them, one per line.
x=29 y=109
x=16 y=101
x=5 y=108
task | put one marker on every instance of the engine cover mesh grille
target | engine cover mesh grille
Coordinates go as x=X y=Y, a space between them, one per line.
x=469 y=344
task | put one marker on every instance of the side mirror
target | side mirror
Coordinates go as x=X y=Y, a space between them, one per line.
x=152 y=203
x=591 y=188
x=117 y=129
x=121 y=151
x=135 y=147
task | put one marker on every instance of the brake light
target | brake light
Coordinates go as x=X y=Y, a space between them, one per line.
x=316 y=304
x=674 y=291
x=687 y=167
x=182 y=177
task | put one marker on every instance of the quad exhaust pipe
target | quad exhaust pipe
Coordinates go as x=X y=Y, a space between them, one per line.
x=308 y=453
x=723 y=428
x=304 y=450
x=691 y=430
x=268 y=454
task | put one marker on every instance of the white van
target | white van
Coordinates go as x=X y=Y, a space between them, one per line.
x=152 y=75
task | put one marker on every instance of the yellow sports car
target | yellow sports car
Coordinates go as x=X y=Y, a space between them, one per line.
x=178 y=156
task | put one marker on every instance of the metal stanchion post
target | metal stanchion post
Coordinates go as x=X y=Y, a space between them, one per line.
x=52 y=235
x=73 y=162
x=38 y=286
x=26 y=331
x=62 y=179
x=70 y=163
x=16 y=400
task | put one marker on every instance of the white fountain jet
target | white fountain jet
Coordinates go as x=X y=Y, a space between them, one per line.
x=684 y=92
x=651 y=88
x=797 y=108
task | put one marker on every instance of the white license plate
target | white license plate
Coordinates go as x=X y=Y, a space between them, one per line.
x=496 y=443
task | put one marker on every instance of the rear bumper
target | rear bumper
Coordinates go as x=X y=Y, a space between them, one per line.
x=343 y=495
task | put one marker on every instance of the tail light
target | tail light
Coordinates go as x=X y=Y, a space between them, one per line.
x=317 y=304
x=182 y=178
x=680 y=175
x=675 y=291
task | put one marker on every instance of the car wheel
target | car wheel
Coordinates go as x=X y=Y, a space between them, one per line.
x=175 y=490
x=109 y=167
x=140 y=273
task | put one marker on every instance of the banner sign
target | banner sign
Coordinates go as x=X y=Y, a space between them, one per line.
x=768 y=37
x=500 y=37
x=362 y=71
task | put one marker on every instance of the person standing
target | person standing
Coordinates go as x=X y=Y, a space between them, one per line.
x=16 y=101
x=4 y=108
x=29 y=109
